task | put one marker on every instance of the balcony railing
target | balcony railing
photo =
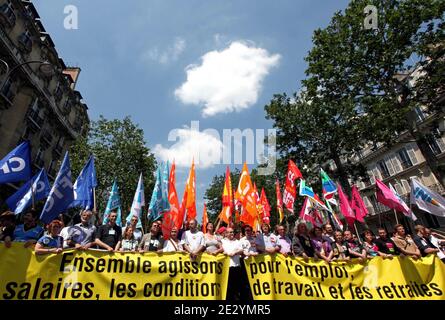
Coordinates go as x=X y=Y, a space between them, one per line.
x=406 y=164
x=46 y=138
x=25 y=42
x=35 y=118
x=58 y=149
x=7 y=15
x=39 y=163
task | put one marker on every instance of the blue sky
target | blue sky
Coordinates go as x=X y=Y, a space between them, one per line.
x=167 y=63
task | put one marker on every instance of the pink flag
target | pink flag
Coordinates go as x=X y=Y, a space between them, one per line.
x=345 y=207
x=358 y=205
x=388 y=198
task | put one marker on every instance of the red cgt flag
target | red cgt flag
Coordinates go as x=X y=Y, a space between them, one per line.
x=290 y=189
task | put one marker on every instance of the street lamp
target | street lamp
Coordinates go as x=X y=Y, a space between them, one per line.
x=45 y=68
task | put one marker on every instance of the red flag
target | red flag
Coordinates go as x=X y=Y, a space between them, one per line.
x=279 y=201
x=358 y=205
x=290 y=189
x=227 y=199
x=173 y=217
x=190 y=204
x=345 y=208
x=205 y=219
x=266 y=207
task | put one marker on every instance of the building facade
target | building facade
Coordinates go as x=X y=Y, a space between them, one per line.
x=42 y=107
x=396 y=166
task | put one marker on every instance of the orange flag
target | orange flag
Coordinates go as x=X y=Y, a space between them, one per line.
x=205 y=219
x=245 y=194
x=172 y=218
x=227 y=199
x=190 y=193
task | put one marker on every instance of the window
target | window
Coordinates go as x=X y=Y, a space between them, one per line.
x=399 y=189
x=432 y=143
x=25 y=41
x=420 y=115
x=404 y=158
x=52 y=168
x=383 y=169
x=7 y=90
x=7 y=14
x=406 y=185
x=374 y=202
x=38 y=160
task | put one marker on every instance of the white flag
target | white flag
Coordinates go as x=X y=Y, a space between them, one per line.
x=426 y=199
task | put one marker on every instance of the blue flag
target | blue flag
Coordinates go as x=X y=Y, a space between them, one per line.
x=138 y=203
x=114 y=202
x=22 y=199
x=61 y=194
x=159 y=199
x=16 y=166
x=83 y=187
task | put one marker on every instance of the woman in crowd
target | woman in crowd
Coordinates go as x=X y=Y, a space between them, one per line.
x=51 y=242
x=340 y=249
x=172 y=244
x=128 y=243
x=212 y=243
x=372 y=250
x=321 y=245
x=305 y=241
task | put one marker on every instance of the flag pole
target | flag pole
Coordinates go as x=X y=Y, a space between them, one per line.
x=33 y=194
x=356 y=232
x=380 y=219
x=94 y=200
x=395 y=215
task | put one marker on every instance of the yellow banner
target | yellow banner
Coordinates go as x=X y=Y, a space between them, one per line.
x=80 y=275
x=274 y=277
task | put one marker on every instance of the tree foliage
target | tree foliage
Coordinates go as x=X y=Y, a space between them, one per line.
x=356 y=91
x=120 y=153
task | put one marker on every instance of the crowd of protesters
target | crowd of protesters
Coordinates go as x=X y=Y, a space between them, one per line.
x=320 y=243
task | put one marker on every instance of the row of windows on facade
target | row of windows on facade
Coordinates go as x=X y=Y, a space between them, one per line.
x=25 y=41
x=402 y=159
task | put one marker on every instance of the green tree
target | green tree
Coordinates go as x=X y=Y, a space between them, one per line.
x=374 y=70
x=120 y=153
x=355 y=92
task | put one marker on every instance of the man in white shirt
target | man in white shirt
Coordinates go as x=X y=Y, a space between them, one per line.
x=248 y=242
x=193 y=240
x=232 y=247
x=137 y=233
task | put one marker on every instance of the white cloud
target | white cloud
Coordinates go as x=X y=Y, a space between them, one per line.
x=170 y=54
x=228 y=80
x=203 y=147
